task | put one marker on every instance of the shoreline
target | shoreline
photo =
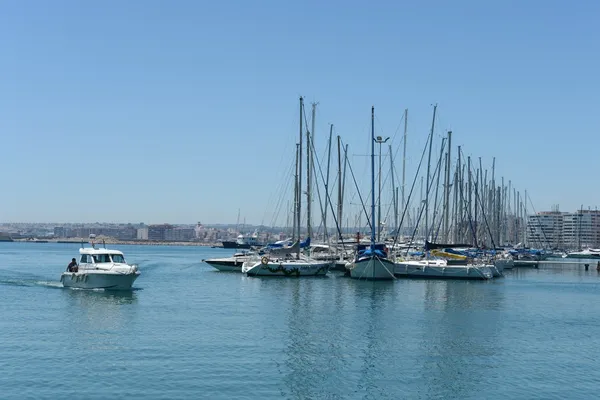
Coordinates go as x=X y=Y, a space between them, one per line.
x=120 y=242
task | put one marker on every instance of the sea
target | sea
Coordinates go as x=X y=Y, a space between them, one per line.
x=187 y=331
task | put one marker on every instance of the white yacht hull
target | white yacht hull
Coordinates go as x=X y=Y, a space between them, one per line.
x=291 y=268
x=372 y=268
x=435 y=269
x=98 y=280
x=228 y=264
x=503 y=264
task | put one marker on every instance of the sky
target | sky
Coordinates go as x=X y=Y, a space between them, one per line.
x=184 y=111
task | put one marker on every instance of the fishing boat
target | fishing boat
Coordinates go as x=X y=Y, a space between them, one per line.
x=101 y=269
x=371 y=262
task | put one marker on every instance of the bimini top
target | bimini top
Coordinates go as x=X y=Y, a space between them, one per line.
x=93 y=251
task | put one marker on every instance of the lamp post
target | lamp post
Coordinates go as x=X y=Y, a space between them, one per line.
x=379 y=140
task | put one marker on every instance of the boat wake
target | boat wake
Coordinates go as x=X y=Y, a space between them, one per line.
x=31 y=283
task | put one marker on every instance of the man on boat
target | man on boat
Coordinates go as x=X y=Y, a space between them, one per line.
x=72 y=267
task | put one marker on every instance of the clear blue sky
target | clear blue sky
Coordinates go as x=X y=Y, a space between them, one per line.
x=184 y=111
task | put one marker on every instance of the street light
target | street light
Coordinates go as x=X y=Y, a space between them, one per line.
x=379 y=140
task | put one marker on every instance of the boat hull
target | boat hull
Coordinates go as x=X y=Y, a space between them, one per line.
x=226 y=264
x=234 y=245
x=98 y=280
x=418 y=269
x=286 y=268
x=372 y=268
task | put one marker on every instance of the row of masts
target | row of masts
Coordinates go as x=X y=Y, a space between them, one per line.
x=461 y=202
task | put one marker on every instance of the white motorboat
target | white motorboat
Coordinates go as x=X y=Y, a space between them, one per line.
x=229 y=264
x=587 y=254
x=101 y=269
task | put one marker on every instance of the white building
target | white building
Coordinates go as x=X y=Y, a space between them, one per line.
x=554 y=229
x=545 y=229
x=142 y=234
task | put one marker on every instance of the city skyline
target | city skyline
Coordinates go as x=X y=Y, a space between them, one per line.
x=188 y=112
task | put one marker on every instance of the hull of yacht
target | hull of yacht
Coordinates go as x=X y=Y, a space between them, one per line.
x=372 y=268
x=99 y=280
x=286 y=268
x=235 y=245
x=504 y=263
x=227 y=264
x=440 y=270
x=582 y=256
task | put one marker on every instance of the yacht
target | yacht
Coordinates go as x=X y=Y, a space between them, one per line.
x=232 y=264
x=371 y=262
x=587 y=254
x=437 y=268
x=285 y=265
x=283 y=262
x=101 y=269
x=243 y=242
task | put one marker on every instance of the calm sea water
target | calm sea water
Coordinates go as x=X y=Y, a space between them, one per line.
x=188 y=331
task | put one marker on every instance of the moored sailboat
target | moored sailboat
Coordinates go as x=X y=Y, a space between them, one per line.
x=289 y=261
x=372 y=262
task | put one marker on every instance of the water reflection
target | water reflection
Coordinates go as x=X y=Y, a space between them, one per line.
x=461 y=334
x=377 y=342
x=94 y=310
x=316 y=339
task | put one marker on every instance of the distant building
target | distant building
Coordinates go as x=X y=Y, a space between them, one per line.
x=545 y=229
x=554 y=229
x=180 y=234
x=142 y=234
x=60 y=232
x=158 y=232
x=582 y=229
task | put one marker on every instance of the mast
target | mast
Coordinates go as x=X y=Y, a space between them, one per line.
x=309 y=135
x=459 y=200
x=299 y=209
x=525 y=239
x=437 y=185
x=404 y=164
x=372 y=178
x=469 y=192
x=326 y=236
x=394 y=191
x=344 y=187
x=295 y=227
x=380 y=141
x=427 y=182
x=339 y=208
x=493 y=201
x=447 y=188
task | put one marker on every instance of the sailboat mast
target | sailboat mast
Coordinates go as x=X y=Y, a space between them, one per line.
x=309 y=146
x=394 y=198
x=372 y=178
x=299 y=210
x=326 y=236
x=295 y=196
x=428 y=175
x=404 y=165
x=447 y=189
x=340 y=187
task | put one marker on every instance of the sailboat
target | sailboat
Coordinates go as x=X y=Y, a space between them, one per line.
x=282 y=261
x=371 y=262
